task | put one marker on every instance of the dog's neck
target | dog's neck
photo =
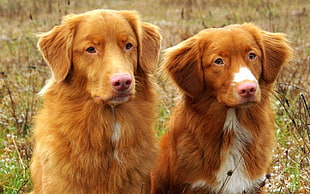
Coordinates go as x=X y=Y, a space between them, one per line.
x=232 y=124
x=116 y=127
x=74 y=102
x=116 y=134
x=234 y=162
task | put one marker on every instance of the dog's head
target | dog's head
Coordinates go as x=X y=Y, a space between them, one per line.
x=230 y=64
x=105 y=49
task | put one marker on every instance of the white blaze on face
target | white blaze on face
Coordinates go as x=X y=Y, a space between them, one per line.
x=244 y=74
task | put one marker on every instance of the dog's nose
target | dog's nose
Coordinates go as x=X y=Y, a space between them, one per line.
x=121 y=82
x=247 y=90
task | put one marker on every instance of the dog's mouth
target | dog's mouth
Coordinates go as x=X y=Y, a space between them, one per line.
x=247 y=104
x=119 y=98
x=247 y=101
x=239 y=102
x=115 y=99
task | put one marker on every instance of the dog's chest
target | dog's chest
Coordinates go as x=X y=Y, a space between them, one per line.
x=116 y=131
x=115 y=137
x=232 y=177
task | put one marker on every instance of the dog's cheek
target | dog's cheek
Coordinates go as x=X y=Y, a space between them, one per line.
x=98 y=84
x=213 y=78
x=80 y=66
x=256 y=69
x=219 y=86
x=132 y=61
x=226 y=94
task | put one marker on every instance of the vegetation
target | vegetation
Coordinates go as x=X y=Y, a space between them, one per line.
x=23 y=73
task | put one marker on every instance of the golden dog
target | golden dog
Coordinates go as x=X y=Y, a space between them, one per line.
x=220 y=135
x=95 y=131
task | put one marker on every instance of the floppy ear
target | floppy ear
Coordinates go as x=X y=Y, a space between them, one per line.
x=149 y=40
x=149 y=51
x=276 y=52
x=183 y=63
x=56 y=47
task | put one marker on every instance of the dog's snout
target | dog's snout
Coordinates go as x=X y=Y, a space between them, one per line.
x=121 y=82
x=247 y=90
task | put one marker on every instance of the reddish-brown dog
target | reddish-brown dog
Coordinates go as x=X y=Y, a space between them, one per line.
x=94 y=133
x=220 y=136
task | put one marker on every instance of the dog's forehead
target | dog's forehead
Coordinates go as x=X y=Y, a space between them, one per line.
x=225 y=32
x=229 y=37
x=232 y=41
x=106 y=21
x=104 y=24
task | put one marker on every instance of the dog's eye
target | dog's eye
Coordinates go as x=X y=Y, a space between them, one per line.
x=219 y=61
x=128 y=46
x=252 y=56
x=91 y=50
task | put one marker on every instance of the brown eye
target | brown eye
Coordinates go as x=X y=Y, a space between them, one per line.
x=252 y=56
x=219 y=61
x=128 y=46
x=91 y=50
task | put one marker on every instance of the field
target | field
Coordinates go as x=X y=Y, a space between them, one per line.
x=23 y=73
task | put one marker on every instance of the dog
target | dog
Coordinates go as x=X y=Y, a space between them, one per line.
x=94 y=133
x=220 y=135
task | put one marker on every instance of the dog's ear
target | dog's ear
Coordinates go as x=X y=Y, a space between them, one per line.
x=149 y=40
x=56 y=47
x=276 y=52
x=183 y=63
x=150 y=48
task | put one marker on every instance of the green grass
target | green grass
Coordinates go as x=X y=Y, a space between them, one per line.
x=15 y=165
x=291 y=162
x=23 y=74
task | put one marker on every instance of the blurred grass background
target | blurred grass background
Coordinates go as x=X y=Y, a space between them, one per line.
x=23 y=73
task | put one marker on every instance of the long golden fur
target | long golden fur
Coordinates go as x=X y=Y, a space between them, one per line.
x=220 y=135
x=94 y=133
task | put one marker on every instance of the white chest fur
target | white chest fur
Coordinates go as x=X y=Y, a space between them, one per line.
x=116 y=132
x=115 y=138
x=116 y=128
x=239 y=180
